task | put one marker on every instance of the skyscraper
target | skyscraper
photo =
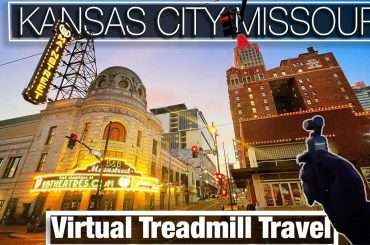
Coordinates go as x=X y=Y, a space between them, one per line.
x=309 y=81
x=268 y=107
x=184 y=128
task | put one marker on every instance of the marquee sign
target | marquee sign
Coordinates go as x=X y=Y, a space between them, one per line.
x=110 y=167
x=117 y=175
x=37 y=90
x=81 y=182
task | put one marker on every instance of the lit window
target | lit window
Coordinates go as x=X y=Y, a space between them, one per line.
x=237 y=98
x=303 y=87
x=155 y=147
x=249 y=90
x=240 y=112
x=42 y=162
x=342 y=89
x=51 y=135
x=265 y=101
x=300 y=70
x=335 y=75
x=238 y=105
x=316 y=100
x=308 y=102
x=251 y=96
x=263 y=94
x=236 y=92
x=262 y=87
x=252 y=102
x=254 y=110
x=283 y=73
x=255 y=116
x=346 y=97
x=117 y=132
x=327 y=58
x=300 y=81
x=11 y=168
x=310 y=86
x=275 y=74
x=308 y=79
x=267 y=108
x=339 y=82
x=139 y=137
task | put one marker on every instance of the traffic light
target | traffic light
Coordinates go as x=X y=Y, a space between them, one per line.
x=227 y=19
x=195 y=151
x=73 y=138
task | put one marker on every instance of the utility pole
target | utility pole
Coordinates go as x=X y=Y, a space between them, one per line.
x=228 y=177
x=169 y=174
x=201 y=187
x=102 y=163
x=216 y=147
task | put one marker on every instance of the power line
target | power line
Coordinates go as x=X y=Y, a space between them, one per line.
x=20 y=59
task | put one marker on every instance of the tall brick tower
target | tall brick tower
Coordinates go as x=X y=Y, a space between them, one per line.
x=268 y=107
x=311 y=80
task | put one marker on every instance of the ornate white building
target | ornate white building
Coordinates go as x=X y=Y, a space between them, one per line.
x=38 y=171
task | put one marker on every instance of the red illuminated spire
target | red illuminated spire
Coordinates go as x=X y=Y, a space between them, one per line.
x=242 y=41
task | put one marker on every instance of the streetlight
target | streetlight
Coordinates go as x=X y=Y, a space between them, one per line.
x=212 y=128
x=214 y=133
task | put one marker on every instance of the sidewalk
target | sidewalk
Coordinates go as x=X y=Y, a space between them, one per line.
x=19 y=231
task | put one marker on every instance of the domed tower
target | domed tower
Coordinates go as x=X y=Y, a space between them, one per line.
x=121 y=84
x=115 y=107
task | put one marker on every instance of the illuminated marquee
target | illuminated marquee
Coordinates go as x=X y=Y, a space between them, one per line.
x=117 y=175
x=37 y=90
x=81 y=182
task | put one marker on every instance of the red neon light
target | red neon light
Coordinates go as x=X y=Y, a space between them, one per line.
x=242 y=41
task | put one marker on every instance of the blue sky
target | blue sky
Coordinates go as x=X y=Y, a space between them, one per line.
x=191 y=73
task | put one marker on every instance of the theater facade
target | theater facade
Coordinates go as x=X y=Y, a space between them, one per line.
x=39 y=172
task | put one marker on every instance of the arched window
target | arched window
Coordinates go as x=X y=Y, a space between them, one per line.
x=117 y=132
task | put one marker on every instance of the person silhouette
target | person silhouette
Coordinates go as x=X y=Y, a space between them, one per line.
x=334 y=182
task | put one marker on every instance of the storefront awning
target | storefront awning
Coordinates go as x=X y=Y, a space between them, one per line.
x=242 y=174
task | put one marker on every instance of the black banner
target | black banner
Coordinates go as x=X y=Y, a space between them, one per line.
x=191 y=227
x=192 y=21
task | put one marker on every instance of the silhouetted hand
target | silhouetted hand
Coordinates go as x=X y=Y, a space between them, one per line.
x=334 y=182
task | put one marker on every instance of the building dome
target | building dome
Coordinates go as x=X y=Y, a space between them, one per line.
x=118 y=83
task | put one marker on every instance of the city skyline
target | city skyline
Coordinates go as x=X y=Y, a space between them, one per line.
x=198 y=73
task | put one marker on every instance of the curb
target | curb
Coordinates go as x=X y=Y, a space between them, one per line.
x=26 y=236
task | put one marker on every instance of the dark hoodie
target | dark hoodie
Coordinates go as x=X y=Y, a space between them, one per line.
x=335 y=183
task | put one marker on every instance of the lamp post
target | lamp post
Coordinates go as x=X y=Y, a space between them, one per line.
x=214 y=133
x=228 y=177
x=102 y=162
x=169 y=175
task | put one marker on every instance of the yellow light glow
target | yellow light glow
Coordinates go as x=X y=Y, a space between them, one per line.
x=113 y=182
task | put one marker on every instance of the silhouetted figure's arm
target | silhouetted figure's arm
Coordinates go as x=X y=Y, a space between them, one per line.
x=335 y=183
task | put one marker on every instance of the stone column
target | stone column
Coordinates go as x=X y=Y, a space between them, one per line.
x=85 y=200
x=119 y=200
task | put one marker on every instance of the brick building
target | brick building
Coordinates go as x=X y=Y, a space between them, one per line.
x=268 y=107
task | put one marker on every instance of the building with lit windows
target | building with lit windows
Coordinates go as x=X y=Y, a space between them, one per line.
x=363 y=94
x=39 y=172
x=268 y=107
x=184 y=128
